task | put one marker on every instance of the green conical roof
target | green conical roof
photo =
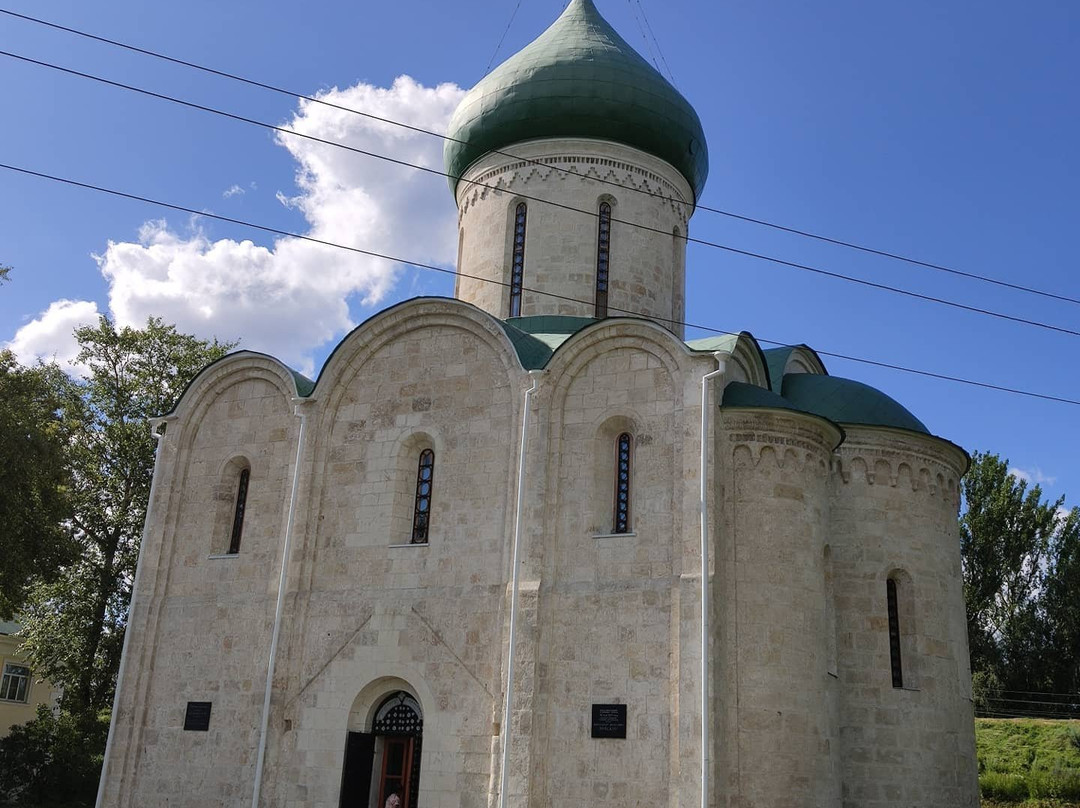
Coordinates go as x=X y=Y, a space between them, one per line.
x=578 y=79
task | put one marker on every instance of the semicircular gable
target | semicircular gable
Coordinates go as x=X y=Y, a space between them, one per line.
x=613 y=334
x=746 y=360
x=792 y=359
x=804 y=359
x=749 y=361
x=234 y=368
x=364 y=341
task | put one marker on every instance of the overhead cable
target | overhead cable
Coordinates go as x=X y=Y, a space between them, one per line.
x=592 y=213
x=645 y=39
x=444 y=270
x=671 y=76
x=491 y=61
x=421 y=130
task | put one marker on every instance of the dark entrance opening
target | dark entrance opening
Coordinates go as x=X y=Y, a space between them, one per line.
x=356 y=780
x=385 y=761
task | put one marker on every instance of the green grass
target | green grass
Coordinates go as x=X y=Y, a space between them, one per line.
x=1029 y=763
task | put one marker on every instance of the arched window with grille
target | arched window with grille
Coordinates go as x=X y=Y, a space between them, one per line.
x=895 y=637
x=425 y=474
x=623 y=458
x=517 y=262
x=603 y=259
x=239 y=510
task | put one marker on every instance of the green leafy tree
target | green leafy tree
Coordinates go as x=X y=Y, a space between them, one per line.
x=53 y=761
x=74 y=626
x=1020 y=554
x=34 y=478
x=1061 y=605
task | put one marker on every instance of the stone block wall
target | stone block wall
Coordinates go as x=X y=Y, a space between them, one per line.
x=373 y=613
x=894 y=506
x=200 y=627
x=608 y=620
x=804 y=537
x=774 y=697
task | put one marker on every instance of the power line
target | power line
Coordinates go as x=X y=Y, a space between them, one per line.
x=1040 y=693
x=644 y=38
x=994 y=713
x=897 y=257
x=1001 y=700
x=491 y=61
x=592 y=213
x=1032 y=713
x=444 y=270
x=645 y=17
x=421 y=130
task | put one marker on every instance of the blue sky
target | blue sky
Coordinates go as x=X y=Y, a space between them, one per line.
x=946 y=132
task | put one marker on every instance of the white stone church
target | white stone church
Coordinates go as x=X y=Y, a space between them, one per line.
x=465 y=566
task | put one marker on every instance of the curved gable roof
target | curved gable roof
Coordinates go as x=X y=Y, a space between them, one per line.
x=779 y=360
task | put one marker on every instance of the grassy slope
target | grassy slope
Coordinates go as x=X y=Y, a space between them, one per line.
x=1021 y=758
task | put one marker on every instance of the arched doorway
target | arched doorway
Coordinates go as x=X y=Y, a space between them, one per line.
x=385 y=760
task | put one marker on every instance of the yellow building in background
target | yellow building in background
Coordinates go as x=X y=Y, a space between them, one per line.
x=20 y=692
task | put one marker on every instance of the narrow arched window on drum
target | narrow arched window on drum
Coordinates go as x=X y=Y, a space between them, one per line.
x=517 y=264
x=425 y=474
x=603 y=260
x=622 y=483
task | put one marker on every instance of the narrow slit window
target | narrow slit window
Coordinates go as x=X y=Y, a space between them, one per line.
x=603 y=259
x=517 y=266
x=425 y=473
x=238 y=513
x=622 y=483
x=894 y=634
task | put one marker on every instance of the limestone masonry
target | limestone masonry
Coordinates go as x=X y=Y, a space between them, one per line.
x=357 y=535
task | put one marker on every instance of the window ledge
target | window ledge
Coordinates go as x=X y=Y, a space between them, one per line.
x=629 y=535
x=410 y=544
x=223 y=555
x=909 y=689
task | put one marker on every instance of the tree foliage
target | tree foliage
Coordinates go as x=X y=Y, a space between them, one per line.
x=1021 y=557
x=74 y=625
x=53 y=761
x=34 y=478
x=1061 y=606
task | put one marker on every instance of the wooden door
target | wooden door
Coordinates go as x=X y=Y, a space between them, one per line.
x=397 y=769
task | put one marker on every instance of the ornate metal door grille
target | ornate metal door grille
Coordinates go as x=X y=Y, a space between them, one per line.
x=398 y=715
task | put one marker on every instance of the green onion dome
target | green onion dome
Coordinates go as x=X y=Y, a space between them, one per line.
x=578 y=79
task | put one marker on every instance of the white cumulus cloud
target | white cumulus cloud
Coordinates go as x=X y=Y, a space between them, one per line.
x=50 y=337
x=1032 y=476
x=286 y=296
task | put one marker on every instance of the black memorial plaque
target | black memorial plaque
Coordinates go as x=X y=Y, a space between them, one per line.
x=197 y=717
x=609 y=720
